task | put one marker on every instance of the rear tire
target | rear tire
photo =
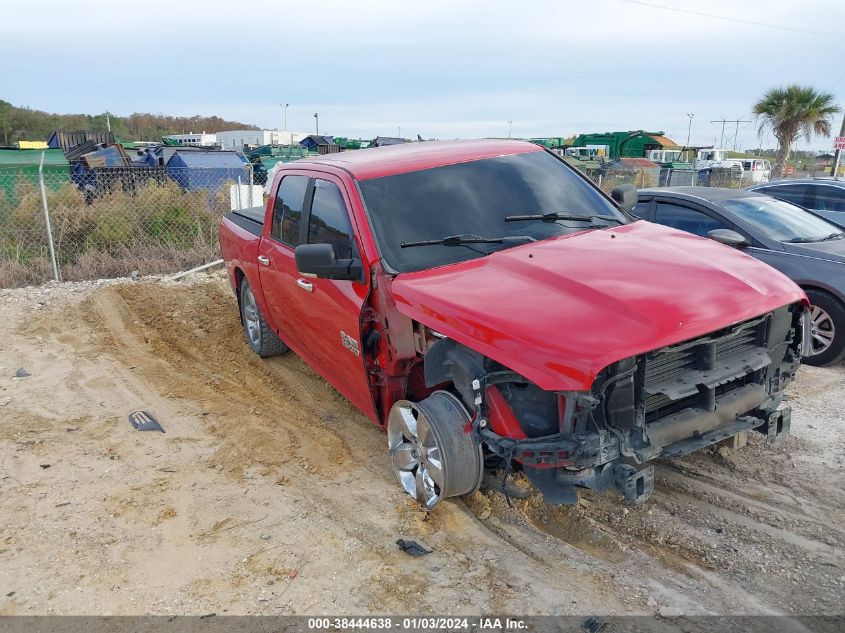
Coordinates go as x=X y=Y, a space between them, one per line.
x=828 y=315
x=258 y=334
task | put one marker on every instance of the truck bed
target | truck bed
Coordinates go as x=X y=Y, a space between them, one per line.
x=251 y=219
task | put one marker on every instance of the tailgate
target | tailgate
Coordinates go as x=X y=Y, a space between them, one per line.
x=251 y=219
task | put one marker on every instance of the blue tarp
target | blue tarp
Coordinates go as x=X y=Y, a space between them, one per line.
x=207 y=170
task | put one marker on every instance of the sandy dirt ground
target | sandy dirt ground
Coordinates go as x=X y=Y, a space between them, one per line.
x=270 y=494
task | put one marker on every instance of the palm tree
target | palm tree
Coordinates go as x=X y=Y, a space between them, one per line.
x=791 y=113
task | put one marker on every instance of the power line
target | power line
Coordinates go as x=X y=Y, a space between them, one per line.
x=724 y=121
x=729 y=19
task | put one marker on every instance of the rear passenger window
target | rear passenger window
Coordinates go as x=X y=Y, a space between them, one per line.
x=287 y=209
x=686 y=219
x=330 y=221
x=796 y=194
x=830 y=198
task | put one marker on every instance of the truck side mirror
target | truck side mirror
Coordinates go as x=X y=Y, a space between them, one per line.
x=318 y=260
x=625 y=196
x=727 y=237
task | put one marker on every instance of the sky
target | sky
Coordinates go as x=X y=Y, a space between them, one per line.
x=438 y=68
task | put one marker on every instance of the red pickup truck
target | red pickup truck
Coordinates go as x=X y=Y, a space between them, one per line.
x=493 y=310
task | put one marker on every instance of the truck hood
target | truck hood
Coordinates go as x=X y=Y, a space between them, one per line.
x=558 y=311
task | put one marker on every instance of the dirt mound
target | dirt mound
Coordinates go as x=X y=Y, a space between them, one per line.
x=189 y=341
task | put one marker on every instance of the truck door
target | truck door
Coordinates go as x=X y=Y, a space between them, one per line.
x=276 y=263
x=330 y=329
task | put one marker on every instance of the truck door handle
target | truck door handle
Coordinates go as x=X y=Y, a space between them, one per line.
x=263 y=260
x=307 y=286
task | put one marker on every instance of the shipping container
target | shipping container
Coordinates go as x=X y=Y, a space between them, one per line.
x=207 y=170
x=21 y=165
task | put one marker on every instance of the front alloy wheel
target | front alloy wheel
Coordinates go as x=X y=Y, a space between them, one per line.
x=432 y=454
x=822 y=329
x=827 y=329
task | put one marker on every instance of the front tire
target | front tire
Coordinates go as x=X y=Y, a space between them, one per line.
x=432 y=454
x=258 y=334
x=828 y=328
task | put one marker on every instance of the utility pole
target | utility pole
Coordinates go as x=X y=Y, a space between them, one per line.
x=736 y=133
x=689 y=129
x=724 y=121
x=510 y=126
x=317 y=119
x=837 y=155
x=721 y=138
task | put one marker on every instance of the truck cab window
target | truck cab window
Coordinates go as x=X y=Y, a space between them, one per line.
x=686 y=219
x=330 y=221
x=287 y=209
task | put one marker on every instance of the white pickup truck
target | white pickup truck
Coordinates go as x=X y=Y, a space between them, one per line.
x=718 y=159
x=714 y=158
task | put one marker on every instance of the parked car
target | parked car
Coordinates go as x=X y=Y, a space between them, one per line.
x=822 y=196
x=493 y=310
x=805 y=248
x=755 y=170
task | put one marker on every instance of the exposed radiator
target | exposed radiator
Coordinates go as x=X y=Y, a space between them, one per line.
x=725 y=360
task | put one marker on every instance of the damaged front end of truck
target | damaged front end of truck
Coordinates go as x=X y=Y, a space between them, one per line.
x=664 y=403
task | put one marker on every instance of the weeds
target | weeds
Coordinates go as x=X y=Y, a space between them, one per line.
x=155 y=228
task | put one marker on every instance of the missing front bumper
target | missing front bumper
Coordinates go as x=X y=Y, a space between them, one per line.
x=773 y=424
x=776 y=425
x=558 y=485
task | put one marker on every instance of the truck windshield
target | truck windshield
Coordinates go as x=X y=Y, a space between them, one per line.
x=474 y=198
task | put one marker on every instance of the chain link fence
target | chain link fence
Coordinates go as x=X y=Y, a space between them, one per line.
x=111 y=222
x=607 y=179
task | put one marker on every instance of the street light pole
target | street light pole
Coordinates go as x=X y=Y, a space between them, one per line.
x=317 y=119
x=510 y=125
x=285 y=109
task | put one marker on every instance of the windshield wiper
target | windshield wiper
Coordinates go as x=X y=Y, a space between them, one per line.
x=812 y=240
x=832 y=236
x=554 y=217
x=460 y=240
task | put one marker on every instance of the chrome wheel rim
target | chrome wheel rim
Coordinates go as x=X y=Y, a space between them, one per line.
x=822 y=330
x=416 y=458
x=251 y=318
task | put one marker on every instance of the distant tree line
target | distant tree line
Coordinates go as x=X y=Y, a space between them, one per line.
x=18 y=124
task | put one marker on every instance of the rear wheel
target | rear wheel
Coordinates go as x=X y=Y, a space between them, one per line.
x=258 y=333
x=827 y=314
x=431 y=453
